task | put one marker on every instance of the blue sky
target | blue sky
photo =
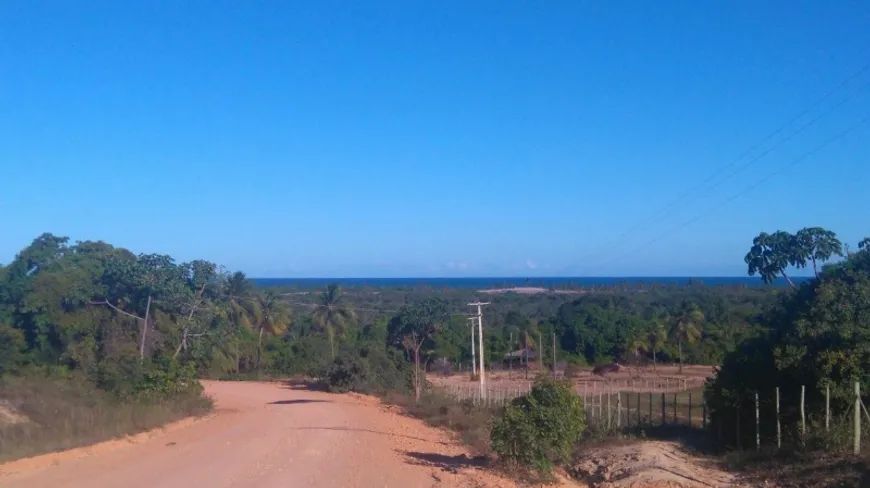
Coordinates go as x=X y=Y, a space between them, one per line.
x=453 y=138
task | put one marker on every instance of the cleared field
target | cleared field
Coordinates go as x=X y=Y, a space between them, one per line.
x=631 y=397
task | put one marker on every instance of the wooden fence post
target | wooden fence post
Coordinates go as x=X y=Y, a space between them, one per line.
x=637 y=407
x=828 y=407
x=664 y=421
x=704 y=413
x=778 y=427
x=609 y=410
x=650 y=408
x=618 y=409
x=690 y=409
x=676 y=421
x=757 y=425
x=856 y=446
x=803 y=414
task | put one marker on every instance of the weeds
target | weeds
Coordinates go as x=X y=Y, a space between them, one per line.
x=60 y=413
x=470 y=422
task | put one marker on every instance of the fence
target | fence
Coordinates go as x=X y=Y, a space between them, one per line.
x=625 y=404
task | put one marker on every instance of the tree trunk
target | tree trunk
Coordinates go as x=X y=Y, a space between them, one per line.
x=259 y=342
x=815 y=270
x=144 y=330
x=331 y=335
x=680 y=346
x=417 y=374
x=526 y=346
x=181 y=345
x=654 y=359
x=788 y=279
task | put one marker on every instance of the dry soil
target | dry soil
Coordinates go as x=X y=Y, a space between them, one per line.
x=267 y=435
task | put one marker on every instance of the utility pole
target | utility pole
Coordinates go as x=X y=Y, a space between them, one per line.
x=481 y=369
x=473 y=357
x=554 y=355
x=511 y=358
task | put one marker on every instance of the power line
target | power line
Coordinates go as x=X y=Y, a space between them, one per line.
x=746 y=190
x=646 y=223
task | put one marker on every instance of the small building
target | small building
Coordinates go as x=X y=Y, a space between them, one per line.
x=519 y=356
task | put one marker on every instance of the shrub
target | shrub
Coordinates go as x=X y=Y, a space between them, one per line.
x=368 y=370
x=539 y=430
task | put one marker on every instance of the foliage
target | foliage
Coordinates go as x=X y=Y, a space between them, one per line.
x=539 y=430
x=368 y=370
x=771 y=254
x=413 y=328
x=818 y=336
x=331 y=314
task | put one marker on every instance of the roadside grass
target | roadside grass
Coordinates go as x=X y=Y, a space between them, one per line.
x=470 y=422
x=53 y=414
x=789 y=468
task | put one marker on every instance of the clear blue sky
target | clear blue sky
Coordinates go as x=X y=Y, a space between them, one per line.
x=412 y=138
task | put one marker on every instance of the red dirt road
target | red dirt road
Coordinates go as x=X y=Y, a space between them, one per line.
x=266 y=435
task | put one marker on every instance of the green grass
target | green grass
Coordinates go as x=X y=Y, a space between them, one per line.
x=66 y=413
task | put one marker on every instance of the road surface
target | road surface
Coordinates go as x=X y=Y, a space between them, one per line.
x=265 y=435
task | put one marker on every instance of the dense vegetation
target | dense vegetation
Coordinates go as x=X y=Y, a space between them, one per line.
x=137 y=330
x=135 y=324
x=818 y=336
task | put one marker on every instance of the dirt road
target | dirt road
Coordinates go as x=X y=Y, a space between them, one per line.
x=267 y=435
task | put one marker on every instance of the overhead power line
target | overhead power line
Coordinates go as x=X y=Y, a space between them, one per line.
x=665 y=211
x=742 y=192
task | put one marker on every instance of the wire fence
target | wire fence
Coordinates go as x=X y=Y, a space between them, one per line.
x=619 y=405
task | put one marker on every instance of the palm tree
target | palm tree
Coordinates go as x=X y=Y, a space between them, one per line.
x=527 y=330
x=656 y=335
x=331 y=314
x=244 y=308
x=274 y=318
x=686 y=328
x=637 y=343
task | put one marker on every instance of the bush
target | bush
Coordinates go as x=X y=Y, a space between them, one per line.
x=539 y=430
x=368 y=370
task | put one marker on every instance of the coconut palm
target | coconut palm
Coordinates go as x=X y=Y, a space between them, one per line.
x=274 y=318
x=686 y=328
x=243 y=309
x=637 y=343
x=527 y=331
x=331 y=314
x=656 y=335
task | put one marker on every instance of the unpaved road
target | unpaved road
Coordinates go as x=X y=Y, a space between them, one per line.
x=266 y=435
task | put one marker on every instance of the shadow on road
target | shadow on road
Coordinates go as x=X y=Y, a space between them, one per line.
x=446 y=463
x=368 y=431
x=297 y=402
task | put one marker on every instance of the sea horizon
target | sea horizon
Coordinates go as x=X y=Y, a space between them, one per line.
x=514 y=282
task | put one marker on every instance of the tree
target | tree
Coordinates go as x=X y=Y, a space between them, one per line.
x=527 y=332
x=816 y=245
x=655 y=336
x=770 y=255
x=864 y=244
x=686 y=328
x=274 y=318
x=413 y=327
x=244 y=310
x=130 y=287
x=332 y=314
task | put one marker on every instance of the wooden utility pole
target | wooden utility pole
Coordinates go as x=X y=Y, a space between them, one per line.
x=473 y=357
x=554 y=355
x=481 y=369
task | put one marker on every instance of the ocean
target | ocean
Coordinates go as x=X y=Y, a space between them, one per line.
x=484 y=283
